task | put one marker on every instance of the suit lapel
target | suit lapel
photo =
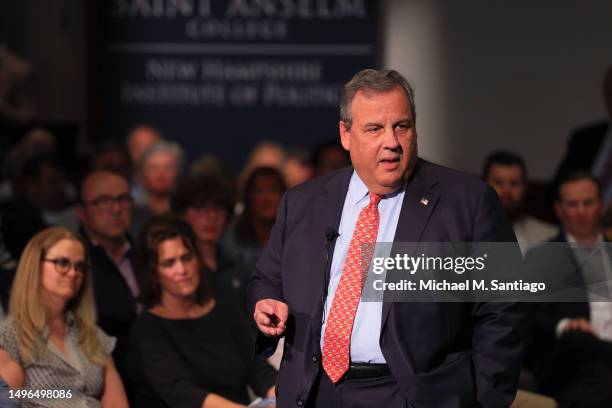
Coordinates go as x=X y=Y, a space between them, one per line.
x=419 y=202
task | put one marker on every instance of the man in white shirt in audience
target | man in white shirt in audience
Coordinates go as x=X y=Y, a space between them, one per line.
x=507 y=174
x=572 y=340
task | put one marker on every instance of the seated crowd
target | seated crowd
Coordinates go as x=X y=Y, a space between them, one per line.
x=129 y=283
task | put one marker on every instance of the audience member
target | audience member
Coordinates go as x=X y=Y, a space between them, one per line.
x=296 y=168
x=507 y=174
x=16 y=103
x=112 y=157
x=105 y=213
x=39 y=206
x=573 y=339
x=210 y=165
x=262 y=194
x=139 y=139
x=264 y=154
x=158 y=170
x=37 y=142
x=49 y=340
x=590 y=148
x=328 y=157
x=206 y=203
x=188 y=349
x=48 y=189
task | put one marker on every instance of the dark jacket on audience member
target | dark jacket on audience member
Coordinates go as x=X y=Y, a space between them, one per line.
x=115 y=304
x=20 y=222
x=582 y=149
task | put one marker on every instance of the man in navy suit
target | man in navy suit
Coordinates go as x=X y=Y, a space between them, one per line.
x=401 y=354
x=572 y=341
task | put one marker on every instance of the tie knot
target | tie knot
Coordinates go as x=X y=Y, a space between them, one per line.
x=375 y=199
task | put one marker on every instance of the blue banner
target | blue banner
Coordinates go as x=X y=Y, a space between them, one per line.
x=219 y=76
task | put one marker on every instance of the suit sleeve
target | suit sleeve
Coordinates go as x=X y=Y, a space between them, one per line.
x=499 y=329
x=260 y=375
x=266 y=279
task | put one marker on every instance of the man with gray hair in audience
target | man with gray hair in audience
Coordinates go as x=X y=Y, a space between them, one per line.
x=157 y=171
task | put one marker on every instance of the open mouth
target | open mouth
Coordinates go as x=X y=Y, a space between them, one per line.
x=390 y=163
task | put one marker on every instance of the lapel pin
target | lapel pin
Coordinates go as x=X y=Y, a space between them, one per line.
x=424 y=201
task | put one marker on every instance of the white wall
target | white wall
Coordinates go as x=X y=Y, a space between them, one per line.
x=516 y=75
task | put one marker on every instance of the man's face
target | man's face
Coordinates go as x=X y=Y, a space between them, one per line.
x=106 y=211
x=140 y=140
x=579 y=208
x=382 y=140
x=509 y=183
x=159 y=173
x=266 y=197
x=296 y=172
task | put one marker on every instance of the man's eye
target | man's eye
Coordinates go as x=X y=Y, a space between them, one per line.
x=403 y=126
x=102 y=201
x=125 y=199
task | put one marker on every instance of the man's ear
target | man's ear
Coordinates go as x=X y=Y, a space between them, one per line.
x=345 y=136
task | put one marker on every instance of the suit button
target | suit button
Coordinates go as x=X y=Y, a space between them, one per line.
x=300 y=402
x=315 y=358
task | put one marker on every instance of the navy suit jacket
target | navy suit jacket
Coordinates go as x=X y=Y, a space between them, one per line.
x=441 y=354
x=582 y=150
x=583 y=147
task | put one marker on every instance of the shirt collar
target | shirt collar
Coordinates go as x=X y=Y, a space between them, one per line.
x=70 y=322
x=570 y=238
x=358 y=191
x=127 y=246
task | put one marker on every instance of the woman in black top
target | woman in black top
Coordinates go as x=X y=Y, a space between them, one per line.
x=262 y=195
x=187 y=349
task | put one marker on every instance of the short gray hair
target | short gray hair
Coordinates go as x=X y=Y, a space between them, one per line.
x=167 y=147
x=373 y=81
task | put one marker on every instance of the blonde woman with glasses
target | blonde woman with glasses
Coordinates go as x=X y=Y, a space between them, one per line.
x=52 y=354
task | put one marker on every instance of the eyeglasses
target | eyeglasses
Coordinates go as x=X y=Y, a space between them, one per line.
x=63 y=265
x=106 y=202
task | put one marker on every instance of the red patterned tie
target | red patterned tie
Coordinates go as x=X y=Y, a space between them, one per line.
x=337 y=340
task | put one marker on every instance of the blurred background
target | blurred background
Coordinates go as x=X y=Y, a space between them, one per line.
x=221 y=76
